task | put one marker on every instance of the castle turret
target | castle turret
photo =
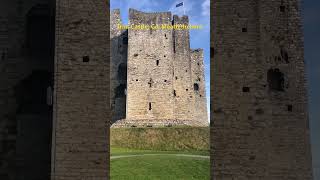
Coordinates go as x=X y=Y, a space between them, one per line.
x=199 y=87
x=184 y=99
x=150 y=55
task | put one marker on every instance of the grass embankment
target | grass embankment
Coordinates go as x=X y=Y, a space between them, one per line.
x=165 y=143
x=161 y=139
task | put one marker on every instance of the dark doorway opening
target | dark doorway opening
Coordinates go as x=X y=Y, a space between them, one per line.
x=34 y=96
x=276 y=80
x=196 y=86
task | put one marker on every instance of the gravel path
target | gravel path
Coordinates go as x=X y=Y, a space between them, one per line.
x=179 y=155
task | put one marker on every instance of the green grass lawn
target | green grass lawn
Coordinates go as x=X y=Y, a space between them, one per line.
x=158 y=167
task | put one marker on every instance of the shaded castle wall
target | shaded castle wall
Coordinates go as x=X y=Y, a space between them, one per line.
x=118 y=67
x=81 y=116
x=199 y=87
x=184 y=99
x=260 y=123
x=25 y=120
x=150 y=55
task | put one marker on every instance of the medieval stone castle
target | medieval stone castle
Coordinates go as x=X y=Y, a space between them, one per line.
x=56 y=76
x=156 y=79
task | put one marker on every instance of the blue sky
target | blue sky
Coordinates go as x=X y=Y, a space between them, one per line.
x=311 y=17
x=198 y=12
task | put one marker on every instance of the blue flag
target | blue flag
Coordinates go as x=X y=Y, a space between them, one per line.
x=180 y=4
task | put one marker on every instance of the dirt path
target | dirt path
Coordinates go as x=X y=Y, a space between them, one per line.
x=140 y=155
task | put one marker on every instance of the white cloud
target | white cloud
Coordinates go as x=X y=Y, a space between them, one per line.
x=186 y=8
x=206 y=8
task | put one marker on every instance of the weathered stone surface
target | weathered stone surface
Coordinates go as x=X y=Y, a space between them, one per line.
x=81 y=111
x=259 y=110
x=78 y=62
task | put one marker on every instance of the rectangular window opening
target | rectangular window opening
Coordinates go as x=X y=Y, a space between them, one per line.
x=85 y=59
x=245 y=89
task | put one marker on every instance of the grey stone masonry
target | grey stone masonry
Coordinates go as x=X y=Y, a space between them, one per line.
x=54 y=50
x=199 y=86
x=81 y=112
x=259 y=117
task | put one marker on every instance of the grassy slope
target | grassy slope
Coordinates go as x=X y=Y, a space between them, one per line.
x=161 y=139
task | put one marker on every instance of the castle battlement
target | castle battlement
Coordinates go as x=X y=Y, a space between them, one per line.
x=138 y=17
x=180 y=19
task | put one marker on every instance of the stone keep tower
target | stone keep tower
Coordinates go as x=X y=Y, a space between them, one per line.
x=164 y=82
x=260 y=126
